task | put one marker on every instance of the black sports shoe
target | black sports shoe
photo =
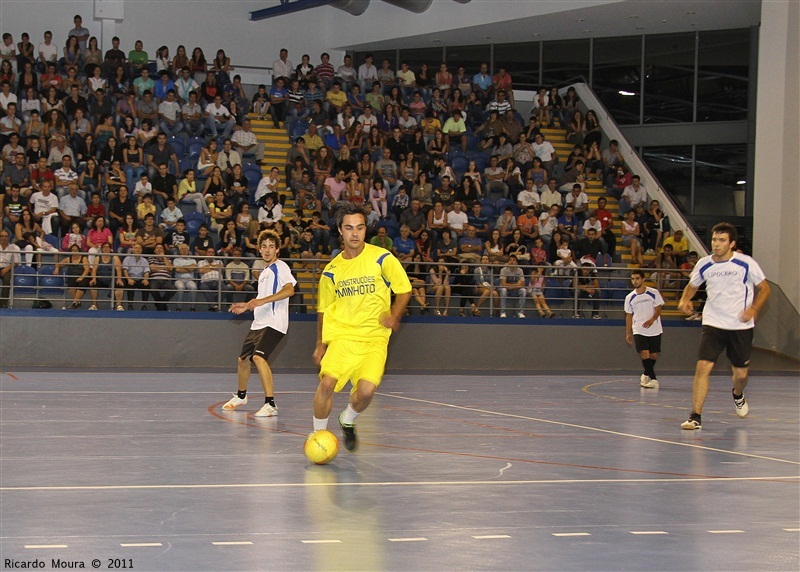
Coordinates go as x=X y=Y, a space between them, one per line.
x=349 y=434
x=693 y=422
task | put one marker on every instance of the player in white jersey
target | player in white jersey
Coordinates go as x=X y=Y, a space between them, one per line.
x=643 y=326
x=270 y=323
x=737 y=290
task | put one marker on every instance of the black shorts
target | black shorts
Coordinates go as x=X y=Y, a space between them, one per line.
x=72 y=282
x=261 y=343
x=649 y=343
x=736 y=343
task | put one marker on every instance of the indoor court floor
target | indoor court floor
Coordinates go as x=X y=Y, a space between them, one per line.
x=144 y=471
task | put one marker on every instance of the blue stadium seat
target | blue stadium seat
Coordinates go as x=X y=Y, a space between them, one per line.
x=194 y=150
x=480 y=161
x=24 y=280
x=178 y=144
x=52 y=240
x=50 y=282
x=459 y=164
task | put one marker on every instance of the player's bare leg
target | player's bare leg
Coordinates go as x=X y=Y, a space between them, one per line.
x=265 y=374
x=323 y=401
x=243 y=374
x=700 y=385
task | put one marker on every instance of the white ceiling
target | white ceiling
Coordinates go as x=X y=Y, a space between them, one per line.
x=623 y=18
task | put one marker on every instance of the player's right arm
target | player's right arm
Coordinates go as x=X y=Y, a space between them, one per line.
x=320 y=349
x=685 y=305
x=628 y=329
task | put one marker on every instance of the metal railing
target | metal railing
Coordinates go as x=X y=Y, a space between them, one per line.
x=440 y=289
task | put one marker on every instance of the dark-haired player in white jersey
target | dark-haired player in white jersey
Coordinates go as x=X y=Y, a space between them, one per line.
x=643 y=326
x=737 y=290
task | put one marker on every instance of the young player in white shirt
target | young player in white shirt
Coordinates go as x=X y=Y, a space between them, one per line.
x=270 y=322
x=643 y=326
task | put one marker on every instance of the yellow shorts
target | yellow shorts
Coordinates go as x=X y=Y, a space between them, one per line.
x=347 y=360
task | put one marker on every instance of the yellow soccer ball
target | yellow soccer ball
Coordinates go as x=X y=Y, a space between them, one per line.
x=321 y=447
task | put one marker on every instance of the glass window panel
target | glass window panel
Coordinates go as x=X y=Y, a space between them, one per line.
x=720 y=179
x=723 y=75
x=471 y=57
x=672 y=166
x=565 y=61
x=521 y=61
x=616 y=76
x=377 y=57
x=419 y=56
x=669 y=78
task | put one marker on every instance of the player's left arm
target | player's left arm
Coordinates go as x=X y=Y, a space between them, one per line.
x=656 y=315
x=762 y=294
x=396 y=275
x=286 y=292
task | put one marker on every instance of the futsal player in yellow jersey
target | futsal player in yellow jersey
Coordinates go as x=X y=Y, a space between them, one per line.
x=355 y=319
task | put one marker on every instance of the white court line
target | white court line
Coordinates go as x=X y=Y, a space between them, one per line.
x=141 y=545
x=232 y=543
x=394 y=484
x=571 y=534
x=792 y=529
x=587 y=428
x=420 y=539
x=321 y=541
x=725 y=531
x=45 y=546
x=643 y=532
x=489 y=536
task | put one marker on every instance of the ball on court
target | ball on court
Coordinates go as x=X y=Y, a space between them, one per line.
x=321 y=447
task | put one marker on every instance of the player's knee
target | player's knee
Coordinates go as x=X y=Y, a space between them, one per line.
x=258 y=360
x=327 y=384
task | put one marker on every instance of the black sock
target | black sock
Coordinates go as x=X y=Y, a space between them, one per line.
x=269 y=400
x=737 y=396
x=646 y=366
x=241 y=394
x=652 y=364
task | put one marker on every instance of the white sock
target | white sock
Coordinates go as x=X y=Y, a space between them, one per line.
x=320 y=424
x=349 y=415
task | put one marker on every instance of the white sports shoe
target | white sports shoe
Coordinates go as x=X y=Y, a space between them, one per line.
x=646 y=381
x=234 y=403
x=267 y=411
x=742 y=409
x=521 y=315
x=502 y=314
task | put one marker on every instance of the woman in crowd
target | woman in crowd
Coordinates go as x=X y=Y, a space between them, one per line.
x=127 y=234
x=106 y=269
x=90 y=180
x=208 y=158
x=92 y=57
x=484 y=283
x=78 y=269
x=133 y=159
x=180 y=60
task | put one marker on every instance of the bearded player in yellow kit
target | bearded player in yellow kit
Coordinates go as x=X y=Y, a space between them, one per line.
x=355 y=319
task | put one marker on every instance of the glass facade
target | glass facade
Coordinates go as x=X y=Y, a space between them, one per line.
x=720 y=178
x=723 y=75
x=617 y=76
x=521 y=62
x=669 y=78
x=565 y=61
x=672 y=166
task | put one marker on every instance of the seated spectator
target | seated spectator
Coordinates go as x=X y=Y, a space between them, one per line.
x=210 y=270
x=160 y=278
x=585 y=282
x=612 y=159
x=439 y=275
x=404 y=245
x=512 y=285
x=631 y=236
x=136 y=276
x=237 y=278
x=633 y=196
x=680 y=245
